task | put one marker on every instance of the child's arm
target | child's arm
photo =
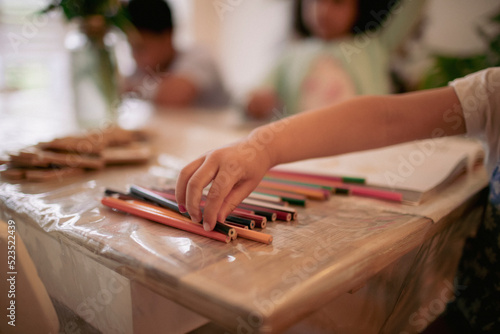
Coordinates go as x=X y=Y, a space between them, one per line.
x=265 y=98
x=358 y=124
x=262 y=102
x=176 y=91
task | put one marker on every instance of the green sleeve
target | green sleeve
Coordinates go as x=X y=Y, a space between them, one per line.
x=403 y=18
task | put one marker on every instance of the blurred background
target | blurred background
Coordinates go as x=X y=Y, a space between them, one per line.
x=245 y=37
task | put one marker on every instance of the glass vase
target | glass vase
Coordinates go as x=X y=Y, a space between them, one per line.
x=94 y=73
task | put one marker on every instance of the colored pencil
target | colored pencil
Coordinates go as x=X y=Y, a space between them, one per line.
x=326 y=189
x=291 y=198
x=167 y=197
x=235 y=224
x=342 y=191
x=316 y=176
x=260 y=221
x=238 y=211
x=340 y=185
x=254 y=235
x=260 y=197
x=265 y=197
x=327 y=184
x=268 y=205
x=171 y=196
x=269 y=215
x=167 y=194
x=218 y=227
x=242 y=221
x=277 y=212
x=158 y=214
x=313 y=184
x=121 y=195
x=376 y=193
x=261 y=211
x=312 y=193
x=153 y=197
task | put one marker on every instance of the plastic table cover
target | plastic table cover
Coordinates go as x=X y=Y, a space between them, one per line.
x=349 y=265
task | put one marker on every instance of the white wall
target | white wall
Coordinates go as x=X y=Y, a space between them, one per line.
x=254 y=36
x=451 y=25
x=246 y=36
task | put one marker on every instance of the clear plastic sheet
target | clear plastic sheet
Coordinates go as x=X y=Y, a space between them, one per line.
x=346 y=244
x=348 y=265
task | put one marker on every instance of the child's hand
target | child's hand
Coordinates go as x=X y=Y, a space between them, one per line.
x=234 y=171
x=261 y=104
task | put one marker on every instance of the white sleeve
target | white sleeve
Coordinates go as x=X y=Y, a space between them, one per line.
x=479 y=95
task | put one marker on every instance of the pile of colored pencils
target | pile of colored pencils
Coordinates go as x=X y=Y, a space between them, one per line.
x=161 y=207
x=296 y=187
x=269 y=202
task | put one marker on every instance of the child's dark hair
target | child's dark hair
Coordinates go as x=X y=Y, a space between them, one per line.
x=150 y=15
x=371 y=15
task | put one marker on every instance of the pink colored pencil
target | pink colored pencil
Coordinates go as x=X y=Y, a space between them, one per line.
x=240 y=210
x=314 y=176
x=376 y=193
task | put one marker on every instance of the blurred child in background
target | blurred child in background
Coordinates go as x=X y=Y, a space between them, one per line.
x=347 y=53
x=164 y=74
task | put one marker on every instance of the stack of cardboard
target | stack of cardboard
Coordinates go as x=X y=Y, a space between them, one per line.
x=73 y=155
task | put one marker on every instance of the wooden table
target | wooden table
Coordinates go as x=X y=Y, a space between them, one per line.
x=348 y=265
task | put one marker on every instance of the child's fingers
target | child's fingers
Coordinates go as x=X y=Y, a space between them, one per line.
x=220 y=188
x=235 y=197
x=182 y=181
x=195 y=185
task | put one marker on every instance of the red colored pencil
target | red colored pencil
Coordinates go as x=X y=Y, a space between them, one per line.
x=260 y=221
x=280 y=215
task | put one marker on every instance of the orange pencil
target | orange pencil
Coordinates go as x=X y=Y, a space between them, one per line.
x=162 y=216
x=308 y=192
x=254 y=235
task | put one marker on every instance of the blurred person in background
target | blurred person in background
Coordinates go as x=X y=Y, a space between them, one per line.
x=344 y=50
x=164 y=74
